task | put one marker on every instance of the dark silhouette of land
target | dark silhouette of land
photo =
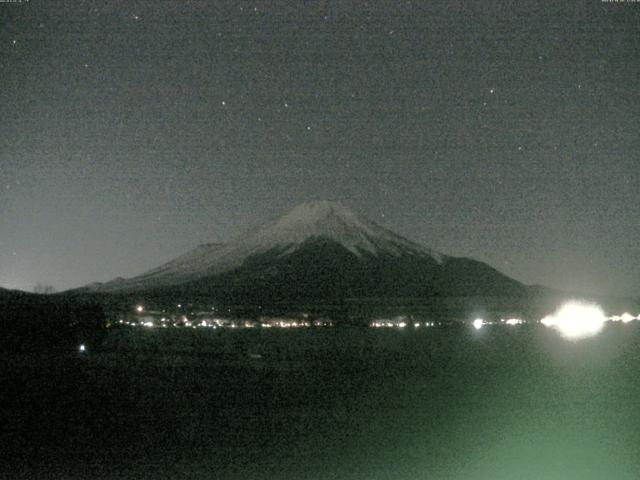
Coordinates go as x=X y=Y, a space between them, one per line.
x=32 y=322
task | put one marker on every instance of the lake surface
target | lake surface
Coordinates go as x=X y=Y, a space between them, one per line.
x=355 y=403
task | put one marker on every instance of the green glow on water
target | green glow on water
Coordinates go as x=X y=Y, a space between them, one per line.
x=494 y=404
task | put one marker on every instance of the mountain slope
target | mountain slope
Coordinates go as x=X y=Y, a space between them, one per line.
x=319 y=250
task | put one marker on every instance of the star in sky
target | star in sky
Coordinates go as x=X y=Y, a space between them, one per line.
x=318 y=87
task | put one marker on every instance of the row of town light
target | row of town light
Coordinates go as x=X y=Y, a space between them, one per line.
x=400 y=324
x=574 y=320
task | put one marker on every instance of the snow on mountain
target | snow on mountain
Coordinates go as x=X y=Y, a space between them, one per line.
x=309 y=220
x=332 y=220
x=189 y=262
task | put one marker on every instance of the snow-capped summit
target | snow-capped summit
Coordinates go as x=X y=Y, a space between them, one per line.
x=333 y=221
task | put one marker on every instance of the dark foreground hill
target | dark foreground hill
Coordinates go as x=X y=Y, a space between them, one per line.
x=30 y=322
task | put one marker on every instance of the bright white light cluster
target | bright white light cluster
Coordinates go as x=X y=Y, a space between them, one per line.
x=478 y=323
x=575 y=320
x=514 y=321
x=624 y=318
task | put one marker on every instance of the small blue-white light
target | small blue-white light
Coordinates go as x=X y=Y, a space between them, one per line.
x=82 y=348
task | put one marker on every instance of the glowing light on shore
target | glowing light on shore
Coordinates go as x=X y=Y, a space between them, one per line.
x=548 y=321
x=627 y=317
x=478 y=323
x=576 y=320
x=514 y=321
x=139 y=309
x=82 y=348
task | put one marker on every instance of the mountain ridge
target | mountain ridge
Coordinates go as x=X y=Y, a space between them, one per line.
x=319 y=249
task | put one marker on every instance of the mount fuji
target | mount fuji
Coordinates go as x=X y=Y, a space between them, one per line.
x=320 y=250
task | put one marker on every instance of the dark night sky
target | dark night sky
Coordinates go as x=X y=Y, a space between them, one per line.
x=504 y=131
